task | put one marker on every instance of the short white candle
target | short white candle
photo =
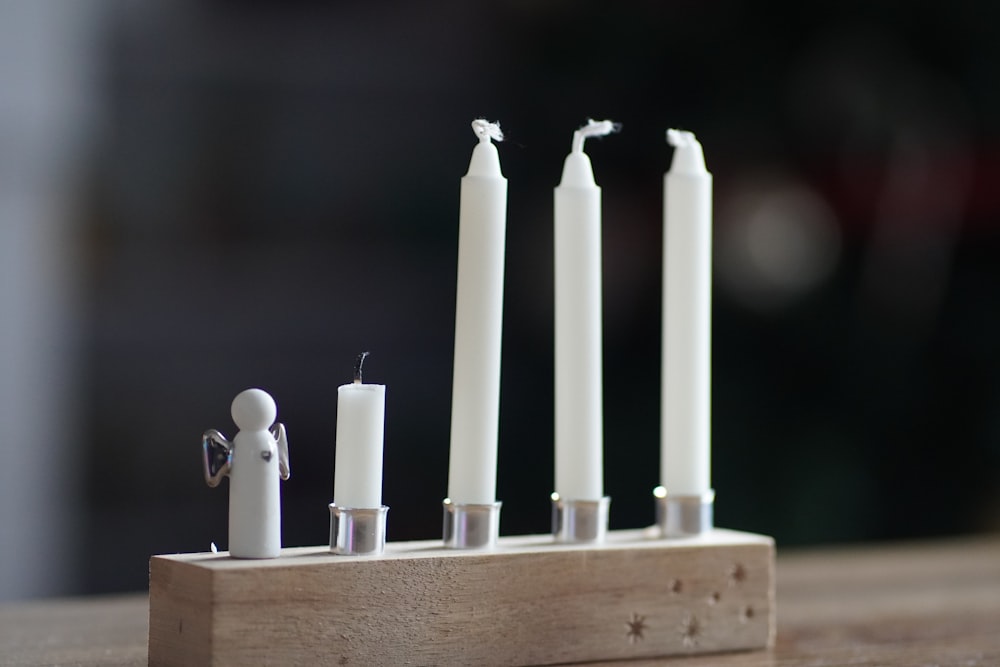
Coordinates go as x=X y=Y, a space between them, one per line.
x=475 y=401
x=357 y=475
x=687 y=320
x=579 y=422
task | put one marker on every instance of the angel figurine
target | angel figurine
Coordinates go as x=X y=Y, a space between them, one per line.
x=254 y=461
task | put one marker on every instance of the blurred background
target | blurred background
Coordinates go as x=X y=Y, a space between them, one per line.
x=197 y=198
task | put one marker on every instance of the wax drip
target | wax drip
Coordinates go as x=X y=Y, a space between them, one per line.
x=486 y=130
x=357 y=367
x=594 y=128
x=679 y=138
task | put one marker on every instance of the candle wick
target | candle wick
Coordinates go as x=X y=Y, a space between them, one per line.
x=357 y=367
x=593 y=128
x=680 y=138
x=486 y=130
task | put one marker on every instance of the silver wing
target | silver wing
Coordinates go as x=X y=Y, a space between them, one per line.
x=284 y=466
x=217 y=456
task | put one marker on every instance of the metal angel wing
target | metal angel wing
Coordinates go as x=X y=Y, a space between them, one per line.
x=217 y=456
x=284 y=465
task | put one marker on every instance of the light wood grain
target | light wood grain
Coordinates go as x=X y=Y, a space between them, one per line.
x=108 y=631
x=902 y=605
x=530 y=602
x=836 y=606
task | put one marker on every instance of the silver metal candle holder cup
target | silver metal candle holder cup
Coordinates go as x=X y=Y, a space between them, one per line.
x=471 y=526
x=579 y=520
x=683 y=515
x=357 y=531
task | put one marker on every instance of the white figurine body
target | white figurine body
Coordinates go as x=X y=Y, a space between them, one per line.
x=255 y=461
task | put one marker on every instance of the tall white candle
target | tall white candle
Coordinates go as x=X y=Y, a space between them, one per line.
x=475 y=401
x=579 y=422
x=357 y=475
x=687 y=320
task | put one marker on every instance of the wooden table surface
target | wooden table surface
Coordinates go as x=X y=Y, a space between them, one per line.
x=935 y=603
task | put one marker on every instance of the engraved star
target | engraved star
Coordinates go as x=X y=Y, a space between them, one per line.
x=737 y=574
x=690 y=630
x=635 y=625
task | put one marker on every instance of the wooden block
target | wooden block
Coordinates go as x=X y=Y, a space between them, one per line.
x=529 y=602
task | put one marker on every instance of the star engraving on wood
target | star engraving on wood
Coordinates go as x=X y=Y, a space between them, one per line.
x=690 y=630
x=636 y=625
x=737 y=574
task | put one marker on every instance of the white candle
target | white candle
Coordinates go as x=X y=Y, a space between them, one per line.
x=475 y=402
x=687 y=320
x=579 y=420
x=357 y=478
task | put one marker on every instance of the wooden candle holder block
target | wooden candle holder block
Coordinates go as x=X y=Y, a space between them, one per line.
x=529 y=602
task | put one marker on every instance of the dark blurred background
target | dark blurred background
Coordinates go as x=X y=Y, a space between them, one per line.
x=197 y=198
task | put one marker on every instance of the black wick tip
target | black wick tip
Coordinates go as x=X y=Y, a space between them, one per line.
x=357 y=366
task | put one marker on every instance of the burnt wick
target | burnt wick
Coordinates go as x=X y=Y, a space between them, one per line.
x=357 y=367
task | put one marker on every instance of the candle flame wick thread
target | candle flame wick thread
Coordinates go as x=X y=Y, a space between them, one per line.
x=357 y=367
x=594 y=128
x=486 y=130
x=681 y=138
